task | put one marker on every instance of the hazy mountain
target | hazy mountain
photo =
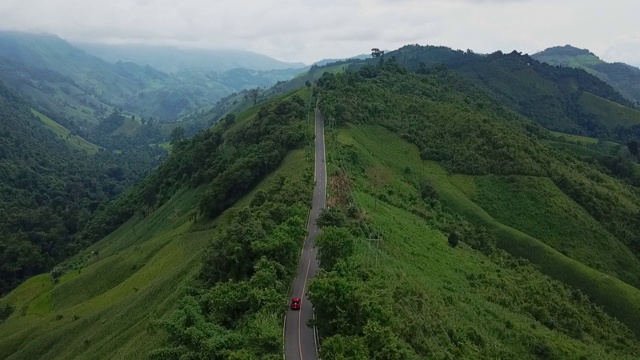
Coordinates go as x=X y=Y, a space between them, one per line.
x=625 y=78
x=170 y=59
x=68 y=82
x=329 y=61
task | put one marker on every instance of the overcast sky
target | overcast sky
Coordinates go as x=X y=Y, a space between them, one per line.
x=307 y=31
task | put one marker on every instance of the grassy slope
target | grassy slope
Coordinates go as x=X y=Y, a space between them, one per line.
x=538 y=208
x=579 y=61
x=574 y=138
x=106 y=304
x=128 y=127
x=609 y=113
x=74 y=141
x=618 y=298
x=444 y=311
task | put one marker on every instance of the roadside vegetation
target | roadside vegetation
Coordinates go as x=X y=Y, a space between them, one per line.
x=444 y=240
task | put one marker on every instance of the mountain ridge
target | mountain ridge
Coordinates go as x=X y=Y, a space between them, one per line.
x=174 y=59
x=624 y=77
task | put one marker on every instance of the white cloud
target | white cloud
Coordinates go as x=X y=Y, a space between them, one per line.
x=306 y=30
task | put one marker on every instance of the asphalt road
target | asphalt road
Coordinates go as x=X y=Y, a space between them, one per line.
x=299 y=338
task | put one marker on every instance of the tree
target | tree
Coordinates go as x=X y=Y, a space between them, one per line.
x=338 y=304
x=149 y=195
x=253 y=94
x=331 y=217
x=383 y=344
x=340 y=347
x=334 y=244
x=376 y=53
x=5 y=312
x=177 y=135
x=633 y=148
x=380 y=178
x=229 y=119
x=308 y=83
x=453 y=239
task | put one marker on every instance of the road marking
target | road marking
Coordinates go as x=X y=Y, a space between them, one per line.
x=304 y=285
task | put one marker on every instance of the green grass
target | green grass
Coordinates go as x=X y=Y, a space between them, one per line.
x=617 y=297
x=73 y=141
x=581 y=140
x=609 y=113
x=530 y=76
x=538 y=208
x=578 y=61
x=135 y=275
x=129 y=127
x=164 y=145
x=577 y=150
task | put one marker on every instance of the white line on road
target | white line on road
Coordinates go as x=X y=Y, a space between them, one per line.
x=304 y=285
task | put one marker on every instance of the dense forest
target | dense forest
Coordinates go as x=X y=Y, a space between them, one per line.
x=50 y=191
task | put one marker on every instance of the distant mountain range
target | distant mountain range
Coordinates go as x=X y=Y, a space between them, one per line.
x=624 y=78
x=65 y=81
x=171 y=59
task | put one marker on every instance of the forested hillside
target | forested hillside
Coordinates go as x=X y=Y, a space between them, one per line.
x=201 y=257
x=561 y=99
x=458 y=232
x=50 y=189
x=624 y=78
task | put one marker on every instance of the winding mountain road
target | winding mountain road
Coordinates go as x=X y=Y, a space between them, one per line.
x=300 y=340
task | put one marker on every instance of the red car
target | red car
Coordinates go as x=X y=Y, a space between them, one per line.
x=295 y=304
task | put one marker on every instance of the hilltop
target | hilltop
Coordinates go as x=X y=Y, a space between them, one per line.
x=624 y=78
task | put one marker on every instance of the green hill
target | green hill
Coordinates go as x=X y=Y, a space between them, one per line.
x=234 y=194
x=417 y=158
x=609 y=113
x=623 y=77
x=51 y=184
x=552 y=96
